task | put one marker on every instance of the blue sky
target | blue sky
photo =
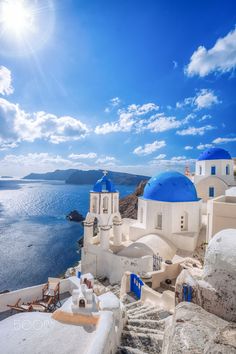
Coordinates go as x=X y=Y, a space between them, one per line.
x=136 y=86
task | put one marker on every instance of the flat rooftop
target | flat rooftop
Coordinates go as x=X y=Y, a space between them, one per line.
x=34 y=332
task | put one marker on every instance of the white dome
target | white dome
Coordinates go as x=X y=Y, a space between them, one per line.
x=151 y=244
x=220 y=263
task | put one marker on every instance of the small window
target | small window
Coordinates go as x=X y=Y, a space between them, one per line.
x=227 y=170
x=200 y=170
x=159 y=221
x=141 y=215
x=213 y=170
x=105 y=205
x=211 y=192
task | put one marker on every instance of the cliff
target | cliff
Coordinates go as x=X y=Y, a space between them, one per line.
x=91 y=176
x=73 y=176
x=129 y=204
x=59 y=175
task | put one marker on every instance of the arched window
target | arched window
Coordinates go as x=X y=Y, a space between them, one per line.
x=211 y=192
x=213 y=170
x=227 y=170
x=94 y=204
x=105 y=205
x=184 y=221
x=115 y=204
x=141 y=215
x=159 y=221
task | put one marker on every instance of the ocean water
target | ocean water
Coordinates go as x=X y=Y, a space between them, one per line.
x=36 y=240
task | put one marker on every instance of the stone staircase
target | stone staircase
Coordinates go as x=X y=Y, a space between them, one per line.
x=144 y=329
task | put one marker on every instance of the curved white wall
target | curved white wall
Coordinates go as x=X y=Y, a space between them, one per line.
x=203 y=170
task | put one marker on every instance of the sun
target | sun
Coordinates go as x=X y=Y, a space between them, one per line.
x=25 y=26
x=16 y=17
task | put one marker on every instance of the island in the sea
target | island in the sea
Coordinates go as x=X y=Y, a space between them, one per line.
x=73 y=176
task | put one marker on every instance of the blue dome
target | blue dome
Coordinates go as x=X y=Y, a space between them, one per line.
x=214 y=154
x=170 y=187
x=104 y=185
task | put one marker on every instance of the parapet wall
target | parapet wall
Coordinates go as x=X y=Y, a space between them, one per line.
x=29 y=294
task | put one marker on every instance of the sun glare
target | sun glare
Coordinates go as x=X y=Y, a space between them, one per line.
x=17 y=18
x=25 y=25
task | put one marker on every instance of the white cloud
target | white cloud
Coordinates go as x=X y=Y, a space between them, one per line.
x=6 y=145
x=36 y=162
x=160 y=157
x=161 y=123
x=17 y=125
x=205 y=117
x=223 y=140
x=220 y=58
x=195 y=131
x=148 y=149
x=176 y=162
x=115 y=101
x=178 y=158
x=106 y=161
x=142 y=109
x=175 y=64
x=204 y=146
x=204 y=98
x=5 y=81
x=188 y=147
x=89 y=155
x=129 y=119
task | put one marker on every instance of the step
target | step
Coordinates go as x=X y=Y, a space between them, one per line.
x=164 y=314
x=133 y=304
x=143 y=330
x=151 y=314
x=137 y=309
x=148 y=343
x=152 y=324
x=129 y=350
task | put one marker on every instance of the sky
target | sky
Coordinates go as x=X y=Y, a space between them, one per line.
x=133 y=86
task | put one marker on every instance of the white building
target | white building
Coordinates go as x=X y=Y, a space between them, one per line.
x=214 y=173
x=169 y=218
x=221 y=214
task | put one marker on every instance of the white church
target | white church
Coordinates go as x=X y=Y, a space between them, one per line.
x=214 y=173
x=169 y=219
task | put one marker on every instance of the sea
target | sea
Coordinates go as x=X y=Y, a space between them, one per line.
x=36 y=239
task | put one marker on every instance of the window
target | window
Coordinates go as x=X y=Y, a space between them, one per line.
x=159 y=221
x=211 y=192
x=105 y=205
x=115 y=204
x=227 y=170
x=141 y=215
x=184 y=221
x=200 y=170
x=213 y=170
x=94 y=205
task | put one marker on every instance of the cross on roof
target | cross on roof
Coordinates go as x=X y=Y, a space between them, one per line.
x=105 y=172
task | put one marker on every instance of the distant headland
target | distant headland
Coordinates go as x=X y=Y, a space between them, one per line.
x=73 y=176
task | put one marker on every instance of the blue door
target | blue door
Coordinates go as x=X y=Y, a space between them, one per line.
x=211 y=192
x=213 y=170
x=136 y=285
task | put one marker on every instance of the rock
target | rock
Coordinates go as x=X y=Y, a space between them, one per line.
x=214 y=287
x=75 y=216
x=193 y=330
x=129 y=205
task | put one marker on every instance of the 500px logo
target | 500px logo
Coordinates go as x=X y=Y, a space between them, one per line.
x=36 y=325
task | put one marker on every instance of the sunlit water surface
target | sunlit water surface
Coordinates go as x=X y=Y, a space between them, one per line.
x=36 y=240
